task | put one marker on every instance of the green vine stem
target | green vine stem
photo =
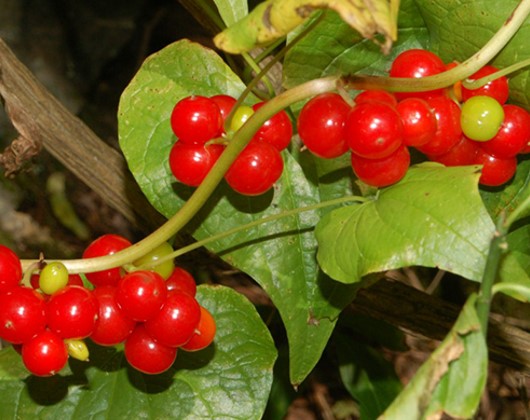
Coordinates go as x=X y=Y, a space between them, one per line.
x=475 y=84
x=497 y=248
x=241 y=138
x=241 y=228
x=250 y=87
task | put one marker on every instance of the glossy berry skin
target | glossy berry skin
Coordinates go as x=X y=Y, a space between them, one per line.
x=461 y=154
x=53 y=277
x=112 y=327
x=175 y=323
x=419 y=121
x=72 y=312
x=448 y=129
x=277 y=130
x=190 y=163
x=204 y=333
x=107 y=244
x=373 y=130
x=495 y=171
x=256 y=169
x=182 y=280
x=45 y=354
x=497 y=89
x=376 y=95
x=73 y=280
x=146 y=354
x=416 y=63
x=240 y=117
x=225 y=104
x=481 y=118
x=77 y=349
x=382 y=172
x=141 y=294
x=10 y=269
x=22 y=314
x=321 y=125
x=149 y=260
x=196 y=119
x=513 y=136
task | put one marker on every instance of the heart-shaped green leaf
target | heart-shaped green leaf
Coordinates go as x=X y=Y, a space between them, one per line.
x=434 y=217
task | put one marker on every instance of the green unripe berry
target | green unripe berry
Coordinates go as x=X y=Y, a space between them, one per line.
x=481 y=118
x=241 y=115
x=77 y=349
x=53 y=277
x=148 y=261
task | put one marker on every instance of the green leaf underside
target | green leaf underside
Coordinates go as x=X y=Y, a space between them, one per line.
x=452 y=379
x=230 y=379
x=280 y=256
x=434 y=217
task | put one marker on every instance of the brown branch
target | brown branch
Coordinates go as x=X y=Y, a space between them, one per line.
x=37 y=115
x=420 y=313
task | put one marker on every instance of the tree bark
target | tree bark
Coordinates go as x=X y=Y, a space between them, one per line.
x=39 y=117
x=419 y=313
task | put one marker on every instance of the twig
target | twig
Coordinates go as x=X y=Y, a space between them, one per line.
x=37 y=115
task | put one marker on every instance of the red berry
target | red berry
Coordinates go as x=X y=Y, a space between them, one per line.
x=190 y=163
x=513 y=136
x=497 y=88
x=204 y=333
x=196 y=119
x=22 y=314
x=105 y=245
x=45 y=354
x=175 y=323
x=256 y=169
x=141 y=294
x=376 y=95
x=112 y=327
x=225 y=104
x=72 y=312
x=417 y=63
x=373 y=130
x=495 y=171
x=382 y=172
x=10 y=269
x=448 y=131
x=461 y=154
x=181 y=280
x=146 y=354
x=321 y=125
x=277 y=131
x=419 y=121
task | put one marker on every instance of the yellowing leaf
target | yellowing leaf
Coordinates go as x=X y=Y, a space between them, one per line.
x=273 y=19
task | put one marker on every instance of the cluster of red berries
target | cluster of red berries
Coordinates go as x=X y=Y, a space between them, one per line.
x=454 y=126
x=153 y=312
x=199 y=122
